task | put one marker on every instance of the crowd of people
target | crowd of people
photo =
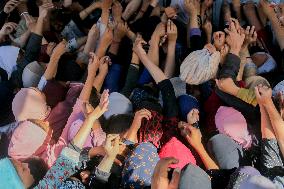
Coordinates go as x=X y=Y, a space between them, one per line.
x=135 y=94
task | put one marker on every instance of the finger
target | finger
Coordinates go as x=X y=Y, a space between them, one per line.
x=256 y=91
x=175 y=179
x=252 y=30
x=233 y=27
x=247 y=30
x=227 y=31
x=164 y=164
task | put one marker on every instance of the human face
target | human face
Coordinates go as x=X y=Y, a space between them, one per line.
x=219 y=40
x=24 y=173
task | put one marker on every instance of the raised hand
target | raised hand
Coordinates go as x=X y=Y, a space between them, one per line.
x=171 y=31
x=112 y=145
x=263 y=94
x=8 y=28
x=160 y=30
x=105 y=62
x=104 y=101
x=44 y=9
x=192 y=135
x=250 y=36
x=235 y=37
x=60 y=48
x=106 y=4
x=30 y=21
x=171 y=12
x=139 y=116
x=227 y=85
x=11 y=5
x=138 y=45
x=193 y=116
x=160 y=176
x=120 y=31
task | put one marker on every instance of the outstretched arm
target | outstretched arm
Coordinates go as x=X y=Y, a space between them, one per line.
x=154 y=70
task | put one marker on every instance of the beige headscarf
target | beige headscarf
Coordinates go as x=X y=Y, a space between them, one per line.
x=199 y=67
x=29 y=104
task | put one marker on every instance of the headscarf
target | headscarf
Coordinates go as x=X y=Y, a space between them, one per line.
x=233 y=124
x=26 y=140
x=29 y=104
x=279 y=88
x=32 y=74
x=9 y=177
x=118 y=104
x=253 y=81
x=199 y=67
x=8 y=58
x=193 y=177
x=268 y=66
x=174 y=148
x=226 y=152
x=139 y=166
x=186 y=104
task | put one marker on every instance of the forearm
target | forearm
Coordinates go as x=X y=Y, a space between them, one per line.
x=39 y=26
x=85 y=13
x=278 y=29
x=101 y=50
x=83 y=133
x=277 y=124
x=87 y=89
x=114 y=47
x=206 y=159
x=24 y=38
x=243 y=56
x=105 y=16
x=266 y=128
x=132 y=134
x=99 y=81
x=153 y=69
x=106 y=164
x=91 y=43
x=170 y=60
x=153 y=52
x=51 y=69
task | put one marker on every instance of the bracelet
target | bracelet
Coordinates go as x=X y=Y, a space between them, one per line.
x=135 y=65
x=24 y=13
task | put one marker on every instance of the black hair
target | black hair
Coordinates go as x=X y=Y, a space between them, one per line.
x=118 y=124
x=38 y=169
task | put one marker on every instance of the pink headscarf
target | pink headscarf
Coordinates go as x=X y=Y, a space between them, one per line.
x=233 y=124
x=27 y=140
x=29 y=104
x=175 y=148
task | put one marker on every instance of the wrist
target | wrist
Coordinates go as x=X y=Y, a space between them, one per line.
x=172 y=44
x=268 y=103
x=235 y=51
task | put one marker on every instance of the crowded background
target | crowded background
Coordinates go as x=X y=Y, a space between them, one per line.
x=160 y=94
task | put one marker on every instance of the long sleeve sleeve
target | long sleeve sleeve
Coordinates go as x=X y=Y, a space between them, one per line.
x=3 y=17
x=63 y=168
x=170 y=106
x=131 y=80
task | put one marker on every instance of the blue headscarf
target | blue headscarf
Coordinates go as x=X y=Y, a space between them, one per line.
x=9 y=177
